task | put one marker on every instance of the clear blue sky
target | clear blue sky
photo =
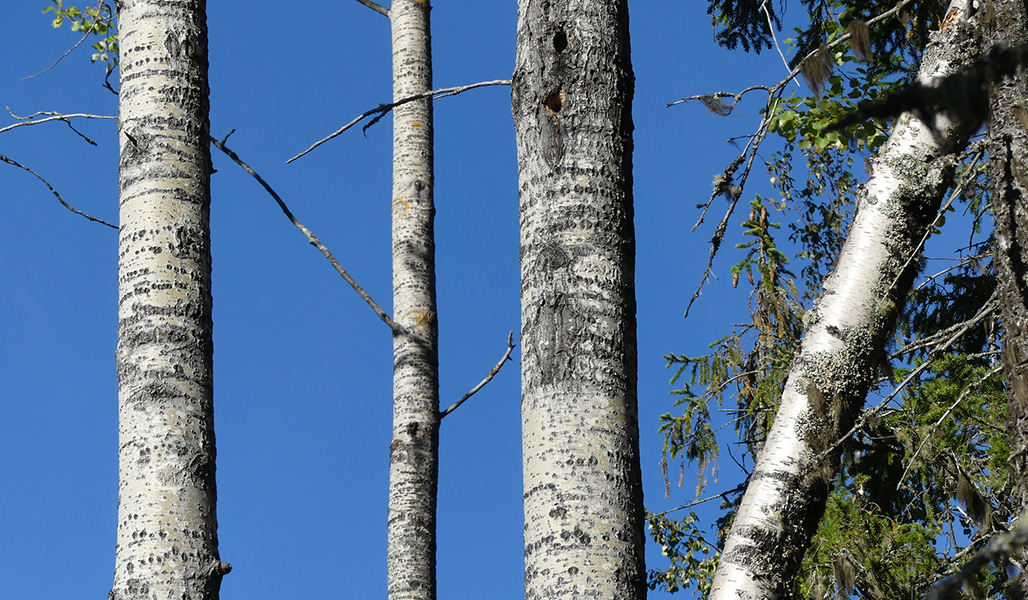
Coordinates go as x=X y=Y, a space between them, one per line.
x=302 y=384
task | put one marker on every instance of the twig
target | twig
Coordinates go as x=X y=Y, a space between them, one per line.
x=1000 y=546
x=313 y=239
x=26 y=121
x=54 y=192
x=735 y=490
x=61 y=57
x=771 y=28
x=383 y=109
x=492 y=373
x=715 y=242
x=375 y=7
x=735 y=97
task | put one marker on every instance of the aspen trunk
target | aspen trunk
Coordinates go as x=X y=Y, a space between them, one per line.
x=413 y=457
x=844 y=343
x=167 y=541
x=1008 y=153
x=572 y=98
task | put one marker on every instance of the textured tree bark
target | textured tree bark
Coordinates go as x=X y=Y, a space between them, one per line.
x=167 y=541
x=845 y=340
x=1008 y=152
x=413 y=457
x=572 y=97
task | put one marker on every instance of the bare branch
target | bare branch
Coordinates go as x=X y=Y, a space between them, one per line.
x=54 y=116
x=492 y=373
x=384 y=109
x=313 y=239
x=54 y=192
x=62 y=57
x=375 y=7
x=771 y=28
x=734 y=193
x=735 y=490
x=735 y=97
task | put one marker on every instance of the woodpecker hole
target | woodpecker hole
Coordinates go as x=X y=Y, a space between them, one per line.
x=560 y=41
x=554 y=101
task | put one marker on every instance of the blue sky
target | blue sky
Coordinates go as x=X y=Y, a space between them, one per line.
x=302 y=383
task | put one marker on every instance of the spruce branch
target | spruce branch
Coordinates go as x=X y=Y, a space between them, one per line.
x=383 y=109
x=1000 y=546
x=311 y=238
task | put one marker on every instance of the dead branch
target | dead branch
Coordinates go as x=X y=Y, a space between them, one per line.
x=492 y=373
x=55 y=193
x=383 y=109
x=313 y=239
x=53 y=116
x=375 y=7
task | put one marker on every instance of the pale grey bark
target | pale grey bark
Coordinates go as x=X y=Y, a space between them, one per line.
x=572 y=97
x=844 y=343
x=413 y=457
x=167 y=541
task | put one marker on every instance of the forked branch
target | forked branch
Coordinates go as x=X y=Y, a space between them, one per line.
x=383 y=109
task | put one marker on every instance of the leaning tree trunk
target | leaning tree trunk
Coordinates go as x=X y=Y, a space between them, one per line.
x=1008 y=153
x=572 y=98
x=844 y=343
x=413 y=457
x=167 y=543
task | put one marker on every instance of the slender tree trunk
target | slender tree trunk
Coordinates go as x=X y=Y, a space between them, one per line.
x=167 y=529
x=413 y=458
x=845 y=341
x=572 y=99
x=1008 y=152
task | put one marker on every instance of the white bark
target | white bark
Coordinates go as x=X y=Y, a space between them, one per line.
x=572 y=94
x=845 y=341
x=167 y=542
x=413 y=461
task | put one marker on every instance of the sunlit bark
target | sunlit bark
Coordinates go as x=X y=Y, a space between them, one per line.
x=572 y=97
x=413 y=457
x=844 y=343
x=167 y=543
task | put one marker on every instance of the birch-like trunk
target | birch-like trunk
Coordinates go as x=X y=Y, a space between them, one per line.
x=1008 y=153
x=167 y=541
x=413 y=457
x=844 y=343
x=572 y=99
